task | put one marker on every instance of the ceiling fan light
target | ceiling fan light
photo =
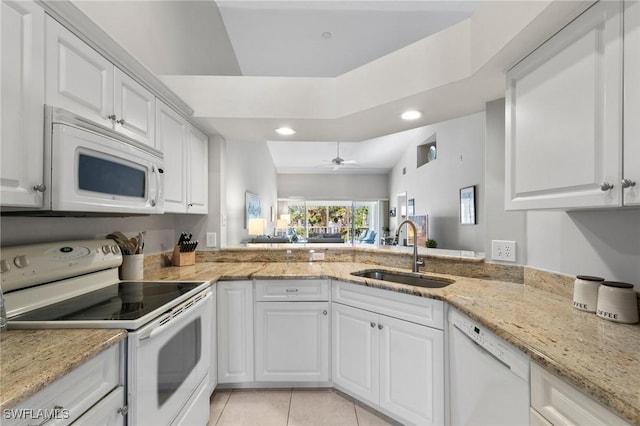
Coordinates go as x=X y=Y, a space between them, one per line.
x=411 y=115
x=285 y=131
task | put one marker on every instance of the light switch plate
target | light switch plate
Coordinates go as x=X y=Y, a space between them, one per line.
x=503 y=250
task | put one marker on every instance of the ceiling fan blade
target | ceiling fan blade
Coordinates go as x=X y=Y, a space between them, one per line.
x=350 y=162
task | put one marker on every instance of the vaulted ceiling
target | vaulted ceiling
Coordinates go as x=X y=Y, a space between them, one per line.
x=333 y=70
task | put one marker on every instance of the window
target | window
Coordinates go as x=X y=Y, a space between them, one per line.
x=336 y=221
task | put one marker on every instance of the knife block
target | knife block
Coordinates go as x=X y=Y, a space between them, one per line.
x=182 y=259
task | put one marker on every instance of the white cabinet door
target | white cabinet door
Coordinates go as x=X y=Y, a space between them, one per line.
x=108 y=412
x=235 y=331
x=134 y=108
x=22 y=86
x=171 y=139
x=354 y=359
x=78 y=78
x=292 y=341
x=631 y=165
x=564 y=118
x=411 y=371
x=197 y=172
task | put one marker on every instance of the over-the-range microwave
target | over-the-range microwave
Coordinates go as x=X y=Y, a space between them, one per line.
x=93 y=170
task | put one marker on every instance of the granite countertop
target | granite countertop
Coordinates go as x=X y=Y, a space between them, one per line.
x=32 y=359
x=599 y=357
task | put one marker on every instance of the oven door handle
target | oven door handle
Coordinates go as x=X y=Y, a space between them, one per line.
x=156 y=331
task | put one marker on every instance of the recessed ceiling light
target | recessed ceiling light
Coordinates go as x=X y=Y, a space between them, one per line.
x=411 y=115
x=326 y=35
x=285 y=131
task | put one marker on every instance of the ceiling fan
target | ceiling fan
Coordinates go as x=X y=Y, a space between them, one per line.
x=337 y=162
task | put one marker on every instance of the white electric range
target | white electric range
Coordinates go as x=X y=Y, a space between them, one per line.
x=75 y=284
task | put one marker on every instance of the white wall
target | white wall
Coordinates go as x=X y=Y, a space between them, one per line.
x=169 y=37
x=436 y=185
x=162 y=231
x=249 y=167
x=499 y=224
x=333 y=186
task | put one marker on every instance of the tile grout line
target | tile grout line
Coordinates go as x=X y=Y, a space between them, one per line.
x=223 y=408
x=289 y=411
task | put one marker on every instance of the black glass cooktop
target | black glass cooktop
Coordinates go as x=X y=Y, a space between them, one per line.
x=127 y=300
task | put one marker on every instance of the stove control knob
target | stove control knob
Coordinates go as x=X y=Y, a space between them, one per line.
x=21 y=261
x=106 y=249
x=5 y=266
x=115 y=249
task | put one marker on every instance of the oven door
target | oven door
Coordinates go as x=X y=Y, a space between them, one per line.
x=168 y=359
x=92 y=172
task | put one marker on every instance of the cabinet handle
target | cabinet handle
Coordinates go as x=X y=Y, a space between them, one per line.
x=373 y=325
x=291 y=290
x=628 y=183
x=379 y=326
x=111 y=117
x=120 y=122
x=605 y=186
x=324 y=312
x=40 y=188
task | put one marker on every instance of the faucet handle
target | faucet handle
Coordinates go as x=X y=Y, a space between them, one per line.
x=420 y=262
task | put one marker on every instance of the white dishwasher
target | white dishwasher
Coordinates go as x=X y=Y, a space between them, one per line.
x=488 y=377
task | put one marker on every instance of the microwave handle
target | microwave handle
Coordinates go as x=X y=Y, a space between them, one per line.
x=157 y=171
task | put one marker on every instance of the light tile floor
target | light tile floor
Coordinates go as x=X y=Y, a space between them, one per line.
x=291 y=407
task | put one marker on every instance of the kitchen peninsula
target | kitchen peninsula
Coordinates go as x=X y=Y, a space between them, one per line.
x=528 y=308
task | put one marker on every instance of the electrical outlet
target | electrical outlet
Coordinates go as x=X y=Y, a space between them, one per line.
x=503 y=250
x=317 y=256
x=211 y=239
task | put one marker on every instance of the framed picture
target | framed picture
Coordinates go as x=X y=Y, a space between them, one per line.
x=421 y=236
x=411 y=207
x=468 y=205
x=252 y=207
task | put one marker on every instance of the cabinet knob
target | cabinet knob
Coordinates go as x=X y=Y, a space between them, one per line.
x=123 y=410
x=324 y=312
x=111 y=117
x=120 y=122
x=605 y=186
x=40 y=188
x=380 y=327
x=628 y=183
x=373 y=325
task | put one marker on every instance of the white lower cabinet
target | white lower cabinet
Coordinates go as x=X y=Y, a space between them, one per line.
x=292 y=341
x=396 y=366
x=91 y=394
x=555 y=402
x=213 y=369
x=235 y=331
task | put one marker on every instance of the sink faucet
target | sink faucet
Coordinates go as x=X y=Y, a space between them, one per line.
x=416 y=262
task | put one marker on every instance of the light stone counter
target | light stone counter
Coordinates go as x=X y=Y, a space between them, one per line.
x=32 y=359
x=599 y=357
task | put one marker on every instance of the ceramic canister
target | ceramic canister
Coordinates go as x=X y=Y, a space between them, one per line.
x=585 y=292
x=617 y=302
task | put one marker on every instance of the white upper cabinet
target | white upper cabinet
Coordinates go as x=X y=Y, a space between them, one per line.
x=82 y=81
x=564 y=117
x=135 y=109
x=78 y=78
x=630 y=182
x=197 y=171
x=22 y=86
x=171 y=139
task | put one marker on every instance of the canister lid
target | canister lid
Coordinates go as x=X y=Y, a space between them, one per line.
x=617 y=284
x=589 y=278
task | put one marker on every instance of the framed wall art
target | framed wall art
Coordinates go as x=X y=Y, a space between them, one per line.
x=252 y=207
x=468 y=205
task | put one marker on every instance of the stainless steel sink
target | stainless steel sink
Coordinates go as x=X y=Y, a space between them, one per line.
x=403 y=278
